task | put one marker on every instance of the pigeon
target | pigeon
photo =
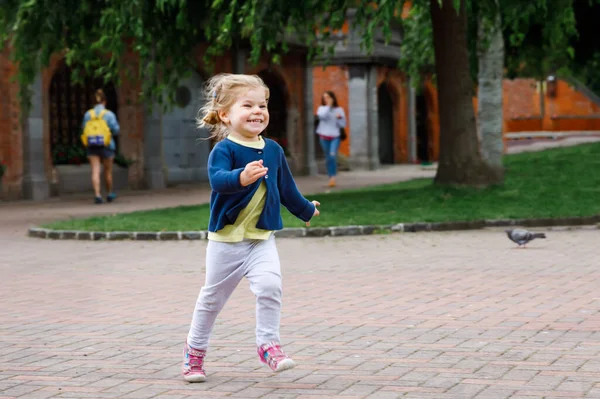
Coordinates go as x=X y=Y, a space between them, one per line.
x=522 y=237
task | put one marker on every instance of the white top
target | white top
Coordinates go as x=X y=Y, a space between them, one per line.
x=329 y=123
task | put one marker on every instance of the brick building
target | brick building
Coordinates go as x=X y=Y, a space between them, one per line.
x=388 y=120
x=391 y=122
x=42 y=153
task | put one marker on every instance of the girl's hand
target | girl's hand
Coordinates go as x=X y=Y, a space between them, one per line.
x=317 y=213
x=252 y=172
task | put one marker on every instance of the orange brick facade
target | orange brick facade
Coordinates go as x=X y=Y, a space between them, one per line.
x=335 y=79
x=11 y=144
x=528 y=106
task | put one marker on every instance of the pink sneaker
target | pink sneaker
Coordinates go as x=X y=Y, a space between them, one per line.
x=193 y=364
x=272 y=355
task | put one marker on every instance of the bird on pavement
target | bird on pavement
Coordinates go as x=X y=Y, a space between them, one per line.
x=522 y=236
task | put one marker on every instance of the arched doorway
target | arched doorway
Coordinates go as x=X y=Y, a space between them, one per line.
x=385 y=119
x=68 y=104
x=278 y=108
x=185 y=148
x=422 y=131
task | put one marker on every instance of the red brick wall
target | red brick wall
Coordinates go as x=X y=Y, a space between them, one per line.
x=11 y=145
x=570 y=110
x=335 y=79
x=528 y=107
x=433 y=117
x=521 y=103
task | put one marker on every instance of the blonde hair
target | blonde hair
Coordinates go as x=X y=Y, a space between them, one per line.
x=100 y=96
x=221 y=92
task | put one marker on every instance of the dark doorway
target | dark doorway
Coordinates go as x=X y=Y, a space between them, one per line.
x=278 y=105
x=385 y=111
x=68 y=104
x=422 y=131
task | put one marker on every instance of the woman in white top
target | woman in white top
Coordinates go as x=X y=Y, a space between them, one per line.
x=331 y=119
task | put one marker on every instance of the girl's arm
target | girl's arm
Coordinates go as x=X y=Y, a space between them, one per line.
x=290 y=196
x=223 y=179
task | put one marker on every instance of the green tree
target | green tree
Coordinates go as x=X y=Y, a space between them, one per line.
x=460 y=158
x=96 y=37
x=490 y=77
x=535 y=36
x=455 y=53
x=585 y=65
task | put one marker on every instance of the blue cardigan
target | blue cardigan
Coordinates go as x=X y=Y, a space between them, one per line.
x=226 y=162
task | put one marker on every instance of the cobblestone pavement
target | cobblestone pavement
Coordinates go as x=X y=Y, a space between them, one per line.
x=426 y=315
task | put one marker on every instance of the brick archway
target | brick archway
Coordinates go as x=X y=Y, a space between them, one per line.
x=278 y=107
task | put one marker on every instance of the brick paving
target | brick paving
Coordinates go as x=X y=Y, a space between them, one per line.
x=426 y=315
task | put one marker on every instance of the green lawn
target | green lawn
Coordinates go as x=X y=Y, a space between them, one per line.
x=554 y=183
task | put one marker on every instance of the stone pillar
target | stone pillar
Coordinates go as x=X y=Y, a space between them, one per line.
x=412 y=122
x=358 y=116
x=309 y=121
x=239 y=60
x=35 y=182
x=373 y=113
x=362 y=110
x=154 y=168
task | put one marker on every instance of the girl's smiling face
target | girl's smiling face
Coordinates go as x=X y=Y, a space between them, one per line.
x=248 y=116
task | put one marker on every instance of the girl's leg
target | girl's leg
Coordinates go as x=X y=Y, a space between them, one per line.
x=264 y=273
x=224 y=271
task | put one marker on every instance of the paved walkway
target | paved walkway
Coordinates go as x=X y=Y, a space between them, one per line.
x=427 y=315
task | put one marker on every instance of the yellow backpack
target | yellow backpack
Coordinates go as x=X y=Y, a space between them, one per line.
x=96 y=132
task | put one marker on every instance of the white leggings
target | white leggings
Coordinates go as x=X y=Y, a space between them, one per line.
x=226 y=264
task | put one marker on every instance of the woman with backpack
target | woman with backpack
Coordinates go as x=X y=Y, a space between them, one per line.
x=99 y=127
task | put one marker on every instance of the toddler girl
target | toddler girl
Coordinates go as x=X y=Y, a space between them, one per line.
x=250 y=179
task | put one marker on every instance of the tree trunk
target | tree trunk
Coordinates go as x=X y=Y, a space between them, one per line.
x=460 y=160
x=490 y=54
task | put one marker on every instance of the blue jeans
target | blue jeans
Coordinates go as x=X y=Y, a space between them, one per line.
x=330 y=148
